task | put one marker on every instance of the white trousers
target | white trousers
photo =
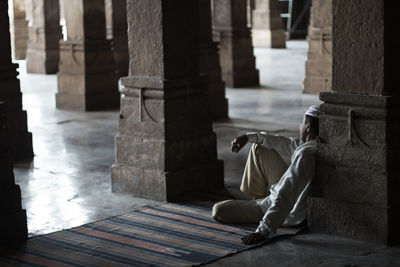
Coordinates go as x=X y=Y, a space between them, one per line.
x=264 y=167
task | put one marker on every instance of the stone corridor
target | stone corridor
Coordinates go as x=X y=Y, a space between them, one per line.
x=131 y=97
x=70 y=185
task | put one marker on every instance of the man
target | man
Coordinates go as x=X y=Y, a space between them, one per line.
x=277 y=175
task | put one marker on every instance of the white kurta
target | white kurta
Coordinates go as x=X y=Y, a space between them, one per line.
x=287 y=203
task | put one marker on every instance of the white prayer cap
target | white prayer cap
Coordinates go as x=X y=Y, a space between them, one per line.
x=313 y=111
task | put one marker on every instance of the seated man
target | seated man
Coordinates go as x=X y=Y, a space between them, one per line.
x=277 y=175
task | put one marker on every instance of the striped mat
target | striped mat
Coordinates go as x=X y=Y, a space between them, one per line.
x=164 y=235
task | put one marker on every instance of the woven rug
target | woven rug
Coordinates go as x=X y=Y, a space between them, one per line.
x=165 y=235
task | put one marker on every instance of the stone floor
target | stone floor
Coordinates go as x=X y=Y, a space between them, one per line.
x=68 y=182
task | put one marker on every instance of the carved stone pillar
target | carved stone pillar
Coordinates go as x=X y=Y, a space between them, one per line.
x=165 y=146
x=209 y=63
x=357 y=183
x=319 y=60
x=13 y=226
x=267 y=27
x=236 y=50
x=120 y=36
x=19 y=137
x=20 y=29
x=87 y=79
x=44 y=35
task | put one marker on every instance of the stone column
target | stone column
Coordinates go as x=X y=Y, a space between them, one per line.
x=209 y=63
x=236 y=50
x=357 y=183
x=87 y=79
x=165 y=146
x=319 y=60
x=267 y=27
x=20 y=29
x=19 y=137
x=13 y=225
x=120 y=36
x=44 y=35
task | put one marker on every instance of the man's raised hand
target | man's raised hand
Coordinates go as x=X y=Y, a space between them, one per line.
x=238 y=143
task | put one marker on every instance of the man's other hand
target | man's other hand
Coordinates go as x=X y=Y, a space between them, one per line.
x=238 y=143
x=253 y=238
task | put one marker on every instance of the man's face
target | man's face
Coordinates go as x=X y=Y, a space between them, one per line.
x=303 y=129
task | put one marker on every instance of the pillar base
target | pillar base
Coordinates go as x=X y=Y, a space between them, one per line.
x=20 y=38
x=166 y=186
x=19 y=137
x=165 y=146
x=355 y=189
x=351 y=220
x=43 y=53
x=87 y=79
x=240 y=79
x=87 y=102
x=268 y=38
x=237 y=59
x=42 y=61
x=13 y=228
x=21 y=143
x=13 y=223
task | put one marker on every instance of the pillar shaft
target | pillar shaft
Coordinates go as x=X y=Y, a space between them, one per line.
x=20 y=30
x=209 y=63
x=319 y=59
x=10 y=93
x=87 y=79
x=13 y=225
x=236 y=50
x=44 y=35
x=165 y=146
x=357 y=185
x=267 y=27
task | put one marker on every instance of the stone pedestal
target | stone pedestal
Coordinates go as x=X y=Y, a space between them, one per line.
x=209 y=63
x=44 y=35
x=236 y=51
x=19 y=137
x=20 y=29
x=87 y=79
x=356 y=186
x=267 y=27
x=165 y=146
x=13 y=226
x=319 y=59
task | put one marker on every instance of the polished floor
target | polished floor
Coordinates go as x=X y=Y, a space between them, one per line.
x=68 y=182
